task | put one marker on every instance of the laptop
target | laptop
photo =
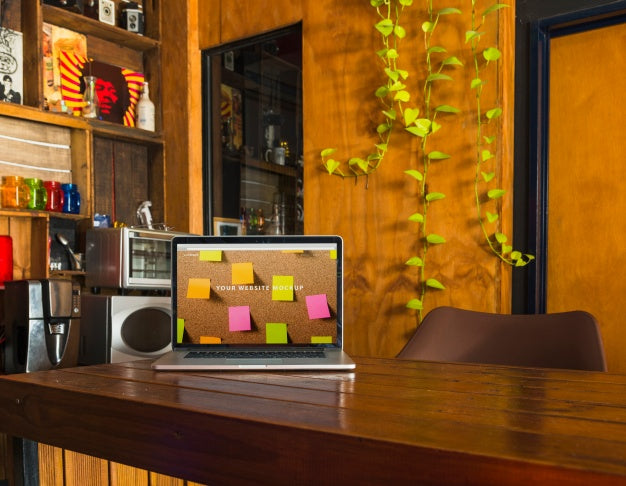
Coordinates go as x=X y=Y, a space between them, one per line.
x=255 y=303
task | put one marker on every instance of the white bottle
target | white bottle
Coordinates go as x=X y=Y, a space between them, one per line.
x=145 y=110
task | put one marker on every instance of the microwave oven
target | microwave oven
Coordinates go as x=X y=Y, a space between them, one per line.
x=128 y=258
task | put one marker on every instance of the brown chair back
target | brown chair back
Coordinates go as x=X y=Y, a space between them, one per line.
x=567 y=340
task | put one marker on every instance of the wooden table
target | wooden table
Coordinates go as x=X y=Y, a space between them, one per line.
x=388 y=422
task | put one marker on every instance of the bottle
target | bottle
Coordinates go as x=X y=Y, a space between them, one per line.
x=91 y=108
x=145 y=110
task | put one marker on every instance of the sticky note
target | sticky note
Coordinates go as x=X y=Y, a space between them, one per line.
x=180 y=329
x=292 y=251
x=210 y=255
x=199 y=288
x=282 y=287
x=333 y=254
x=239 y=318
x=276 y=333
x=317 y=306
x=210 y=340
x=321 y=339
x=242 y=273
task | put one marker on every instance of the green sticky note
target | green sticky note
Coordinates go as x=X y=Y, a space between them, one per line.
x=282 y=287
x=321 y=339
x=180 y=329
x=276 y=333
x=210 y=255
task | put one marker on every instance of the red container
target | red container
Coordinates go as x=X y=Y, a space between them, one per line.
x=6 y=259
x=55 y=196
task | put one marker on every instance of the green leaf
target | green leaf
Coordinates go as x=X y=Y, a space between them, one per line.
x=494 y=113
x=435 y=196
x=414 y=304
x=492 y=218
x=385 y=27
x=403 y=73
x=403 y=96
x=491 y=54
x=415 y=262
x=382 y=53
x=376 y=3
x=397 y=86
x=434 y=128
x=382 y=92
x=438 y=77
x=382 y=128
x=501 y=238
x=374 y=157
x=381 y=146
x=448 y=11
x=451 y=61
x=489 y=140
x=410 y=115
x=434 y=49
x=416 y=174
x=435 y=284
x=446 y=109
x=494 y=7
x=331 y=165
x=487 y=176
x=391 y=74
x=436 y=155
x=328 y=151
x=476 y=82
x=416 y=218
x=496 y=193
x=399 y=31
x=471 y=35
x=392 y=54
x=434 y=239
x=428 y=26
x=485 y=155
x=418 y=132
x=506 y=249
x=391 y=114
x=516 y=255
x=405 y=3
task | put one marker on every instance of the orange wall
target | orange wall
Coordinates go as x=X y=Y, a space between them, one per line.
x=340 y=73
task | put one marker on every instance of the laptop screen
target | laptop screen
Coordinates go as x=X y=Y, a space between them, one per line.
x=257 y=290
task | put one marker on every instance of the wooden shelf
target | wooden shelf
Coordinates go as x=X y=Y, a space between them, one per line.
x=88 y=26
x=285 y=170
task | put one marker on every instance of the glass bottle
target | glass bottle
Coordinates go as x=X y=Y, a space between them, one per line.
x=71 y=198
x=54 y=196
x=38 y=194
x=145 y=110
x=15 y=193
x=91 y=108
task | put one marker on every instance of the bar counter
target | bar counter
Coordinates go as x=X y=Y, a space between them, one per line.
x=387 y=422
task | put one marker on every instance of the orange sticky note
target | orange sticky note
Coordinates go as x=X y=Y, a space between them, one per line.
x=210 y=340
x=199 y=288
x=242 y=273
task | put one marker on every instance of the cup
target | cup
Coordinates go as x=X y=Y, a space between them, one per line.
x=278 y=155
x=38 y=196
x=54 y=196
x=15 y=193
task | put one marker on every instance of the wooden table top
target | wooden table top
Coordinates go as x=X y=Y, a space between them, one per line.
x=387 y=422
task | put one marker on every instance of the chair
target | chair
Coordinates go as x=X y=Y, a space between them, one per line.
x=567 y=340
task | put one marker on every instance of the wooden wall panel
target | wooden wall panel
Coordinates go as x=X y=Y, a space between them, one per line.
x=340 y=73
x=586 y=196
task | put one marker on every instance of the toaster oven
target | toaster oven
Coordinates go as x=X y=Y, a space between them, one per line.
x=128 y=258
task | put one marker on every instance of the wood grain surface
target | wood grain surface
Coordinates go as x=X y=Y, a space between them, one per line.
x=388 y=422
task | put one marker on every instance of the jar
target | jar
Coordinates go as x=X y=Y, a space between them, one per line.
x=15 y=193
x=54 y=198
x=38 y=196
x=6 y=259
x=91 y=104
x=71 y=198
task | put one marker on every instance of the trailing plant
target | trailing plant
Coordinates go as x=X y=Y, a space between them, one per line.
x=423 y=127
x=485 y=142
x=391 y=93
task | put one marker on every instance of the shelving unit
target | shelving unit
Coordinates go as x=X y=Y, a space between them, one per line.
x=97 y=147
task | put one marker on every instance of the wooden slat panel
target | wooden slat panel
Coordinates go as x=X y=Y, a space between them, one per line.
x=122 y=475
x=50 y=466
x=81 y=467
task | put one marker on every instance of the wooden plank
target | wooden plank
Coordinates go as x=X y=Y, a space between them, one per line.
x=122 y=475
x=80 y=466
x=50 y=466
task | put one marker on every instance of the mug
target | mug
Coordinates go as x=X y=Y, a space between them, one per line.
x=276 y=155
x=15 y=193
x=38 y=194
x=55 y=196
x=71 y=198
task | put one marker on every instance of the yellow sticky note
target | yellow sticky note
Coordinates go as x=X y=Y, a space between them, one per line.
x=282 y=287
x=333 y=254
x=210 y=255
x=242 y=273
x=276 y=333
x=292 y=251
x=210 y=340
x=321 y=339
x=180 y=329
x=199 y=288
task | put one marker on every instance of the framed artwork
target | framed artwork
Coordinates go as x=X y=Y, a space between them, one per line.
x=226 y=227
x=11 y=65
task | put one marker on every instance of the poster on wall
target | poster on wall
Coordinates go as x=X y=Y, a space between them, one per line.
x=232 y=118
x=11 y=65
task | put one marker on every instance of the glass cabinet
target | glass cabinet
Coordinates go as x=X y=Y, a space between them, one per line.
x=252 y=142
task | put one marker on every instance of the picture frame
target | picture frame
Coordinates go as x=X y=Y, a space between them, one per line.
x=226 y=227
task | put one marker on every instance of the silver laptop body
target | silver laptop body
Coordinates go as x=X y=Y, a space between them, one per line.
x=256 y=302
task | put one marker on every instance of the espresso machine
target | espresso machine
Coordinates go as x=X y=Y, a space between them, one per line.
x=42 y=324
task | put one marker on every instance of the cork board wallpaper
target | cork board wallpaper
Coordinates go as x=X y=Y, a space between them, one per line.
x=257 y=296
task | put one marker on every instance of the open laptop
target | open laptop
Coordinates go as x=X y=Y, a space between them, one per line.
x=256 y=302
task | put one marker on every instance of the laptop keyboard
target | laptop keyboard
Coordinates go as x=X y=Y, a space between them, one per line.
x=255 y=354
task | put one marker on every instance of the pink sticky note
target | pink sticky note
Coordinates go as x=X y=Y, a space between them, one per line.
x=239 y=318
x=317 y=306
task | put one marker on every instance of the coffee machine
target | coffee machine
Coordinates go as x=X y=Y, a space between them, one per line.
x=42 y=324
